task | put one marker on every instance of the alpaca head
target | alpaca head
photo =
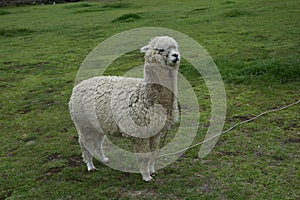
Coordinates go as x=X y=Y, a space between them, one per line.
x=162 y=50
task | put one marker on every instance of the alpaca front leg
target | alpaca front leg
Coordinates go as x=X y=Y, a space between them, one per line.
x=152 y=163
x=154 y=147
x=175 y=112
x=143 y=154
x=144 y=165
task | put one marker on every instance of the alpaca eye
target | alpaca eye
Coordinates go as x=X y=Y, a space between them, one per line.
x=160 y=50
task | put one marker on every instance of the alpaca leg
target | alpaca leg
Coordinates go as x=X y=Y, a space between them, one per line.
x=154 y=147
x=143 y=154
x=87 y=157
x=175 y=111
x=103 y=158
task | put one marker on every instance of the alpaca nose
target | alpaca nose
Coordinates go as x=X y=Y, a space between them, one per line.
x=175 y=60
x=176 y=56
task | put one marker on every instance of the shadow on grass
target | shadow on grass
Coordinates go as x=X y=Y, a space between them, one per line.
x=15 y=32
x=127 y=17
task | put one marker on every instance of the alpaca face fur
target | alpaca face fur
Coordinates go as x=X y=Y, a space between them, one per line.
x=139 y=109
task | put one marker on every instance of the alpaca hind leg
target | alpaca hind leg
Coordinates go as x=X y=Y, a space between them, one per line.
x=103 y=158
x=87 y=158
x=143 y=154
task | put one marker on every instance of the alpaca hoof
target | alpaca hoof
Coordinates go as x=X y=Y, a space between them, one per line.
x=148 y=179
x=92 y=170
x=105 y=160
x=153 y=173
x=91 y=167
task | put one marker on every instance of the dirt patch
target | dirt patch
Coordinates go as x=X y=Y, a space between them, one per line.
x=293 y=140
x=52 y=157
x=49 y=173
x=4 y=176
x=242 y=118
x=11 y=152
x=53 y=170
x=6 y=194
x=229 y=153
x=75 y=161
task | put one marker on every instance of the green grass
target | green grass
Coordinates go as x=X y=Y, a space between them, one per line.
x=255 y=45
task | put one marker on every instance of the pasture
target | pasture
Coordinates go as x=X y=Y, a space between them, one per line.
x=255 y=45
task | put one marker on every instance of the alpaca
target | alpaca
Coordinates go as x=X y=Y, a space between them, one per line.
x=138 y=109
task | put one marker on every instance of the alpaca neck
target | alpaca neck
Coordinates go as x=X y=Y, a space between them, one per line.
x=162 y=75
x=161 y=84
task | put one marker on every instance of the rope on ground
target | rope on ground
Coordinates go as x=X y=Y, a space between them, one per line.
x=231 y=128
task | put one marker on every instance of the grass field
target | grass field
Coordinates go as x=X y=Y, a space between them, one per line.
x=255 y=45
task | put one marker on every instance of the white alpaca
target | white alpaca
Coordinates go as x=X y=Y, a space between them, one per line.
x=139 y=109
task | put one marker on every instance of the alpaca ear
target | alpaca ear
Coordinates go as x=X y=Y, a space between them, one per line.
x=145 y=48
